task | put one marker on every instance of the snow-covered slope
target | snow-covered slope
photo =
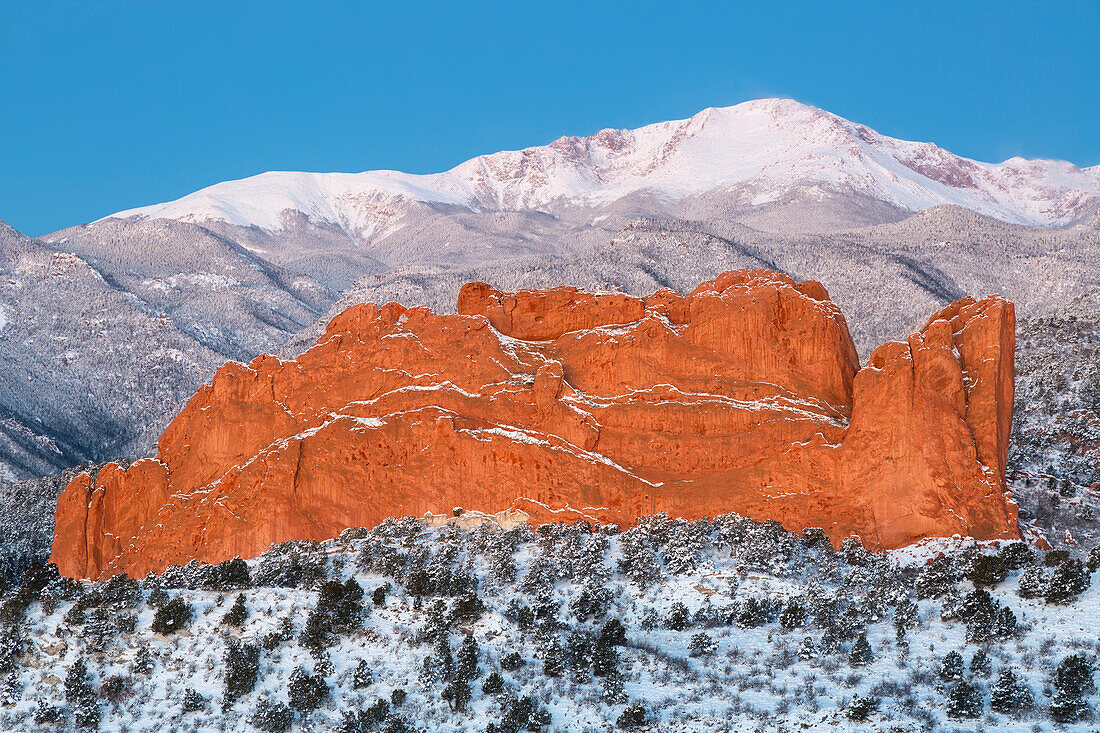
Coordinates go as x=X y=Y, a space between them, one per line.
x=764 y=149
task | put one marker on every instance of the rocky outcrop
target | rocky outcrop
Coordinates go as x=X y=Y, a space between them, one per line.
x=745 y=395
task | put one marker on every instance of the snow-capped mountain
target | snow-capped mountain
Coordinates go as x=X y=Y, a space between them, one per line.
x=763 y=151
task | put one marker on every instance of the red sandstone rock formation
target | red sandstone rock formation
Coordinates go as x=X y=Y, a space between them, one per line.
x=745 y=396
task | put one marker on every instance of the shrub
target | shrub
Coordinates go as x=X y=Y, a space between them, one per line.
x=397 y=697
x=193 y=702
x=306 y=691
x=987 y=570
x=172 y=616
x=242 y=667
x=634 y=716
x=860 y=708
x=1055 y=558
x=511 y=661
x=271 y=716
x=702 y=645
x=115 y=689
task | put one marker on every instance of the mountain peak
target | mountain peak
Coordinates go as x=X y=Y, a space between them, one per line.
x=763 y=150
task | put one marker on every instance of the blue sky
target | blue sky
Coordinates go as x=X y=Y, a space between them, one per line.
x=110 y=105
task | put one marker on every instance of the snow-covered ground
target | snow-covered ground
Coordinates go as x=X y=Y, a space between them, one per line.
x=729 y=625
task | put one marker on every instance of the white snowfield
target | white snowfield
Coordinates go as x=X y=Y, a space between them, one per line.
x=764 y=149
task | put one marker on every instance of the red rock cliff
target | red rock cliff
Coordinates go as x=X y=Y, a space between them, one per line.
x=745 y=395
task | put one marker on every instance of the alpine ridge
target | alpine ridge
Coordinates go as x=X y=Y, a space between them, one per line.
x=744 y=396
x=756 y=154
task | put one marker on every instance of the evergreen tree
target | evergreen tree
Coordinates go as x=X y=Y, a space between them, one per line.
x=362 y=676
x=457 y=693
x=951 y=668
x=702 y=645
x=1070 y=579
x=306 y=691
x=605 y=656
x=494 y=684
x=861 y=654
x=964 y=700
x=466 y=666
x=987 y=570
x=237 y=613
x=11 y=690
x=511 y=662
x=613 y=633
x=1009 y=694
x=158 y=597
x=611 y=688
x=338 y=611
x=905 y=617
x=1033 y=582
x=271 y=716
x=677 y=617
x=192 y=701
x=794 y=614
x=172 y=616
x=80 y=693
x=936 y=580
x=553 y=658
x=1004 y=625
x=1092 y=561
x=1016 y=555
x=1073 y=683
x=143 y=661
x=979 y=664
x=861 y=707
x=242 y=667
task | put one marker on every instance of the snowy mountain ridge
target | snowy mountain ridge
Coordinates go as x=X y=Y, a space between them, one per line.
x=764 y=149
